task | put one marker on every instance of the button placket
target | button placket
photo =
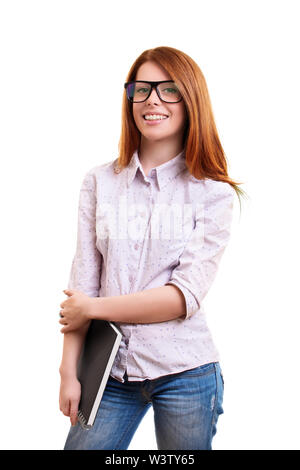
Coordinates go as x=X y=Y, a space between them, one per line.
x=139 y=245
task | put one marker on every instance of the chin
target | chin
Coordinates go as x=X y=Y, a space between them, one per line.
x=156 y=136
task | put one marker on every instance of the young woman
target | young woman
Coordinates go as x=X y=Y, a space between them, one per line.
x=152 y=227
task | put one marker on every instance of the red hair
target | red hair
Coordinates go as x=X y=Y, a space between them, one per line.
x=204 y=155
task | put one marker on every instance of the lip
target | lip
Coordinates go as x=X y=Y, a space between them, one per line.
x=157 y=122
x=154 y=112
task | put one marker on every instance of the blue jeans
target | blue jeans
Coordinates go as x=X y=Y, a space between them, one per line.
x=186 y=408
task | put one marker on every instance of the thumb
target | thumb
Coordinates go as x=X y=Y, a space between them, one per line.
x=69 y=291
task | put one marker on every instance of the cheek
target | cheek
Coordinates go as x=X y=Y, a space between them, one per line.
x=138 y=121
x=179 y=119
x=136 y=113
x=182 y=113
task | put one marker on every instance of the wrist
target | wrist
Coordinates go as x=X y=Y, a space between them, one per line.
x=95 y=309
x=67 y=373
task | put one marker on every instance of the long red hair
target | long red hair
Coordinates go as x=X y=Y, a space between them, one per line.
x=204 y=155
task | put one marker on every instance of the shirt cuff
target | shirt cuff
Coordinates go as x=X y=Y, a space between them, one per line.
x=191 y=305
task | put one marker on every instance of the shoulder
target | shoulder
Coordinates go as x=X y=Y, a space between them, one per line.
x=216 y=197
x=219 y=188
x=211 y=189
x=104 y=168
x=219 y=197
x=104 y=172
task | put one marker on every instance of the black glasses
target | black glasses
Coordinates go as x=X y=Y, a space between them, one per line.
x=139 y=90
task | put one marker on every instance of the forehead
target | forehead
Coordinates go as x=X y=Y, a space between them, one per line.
x=152 y=71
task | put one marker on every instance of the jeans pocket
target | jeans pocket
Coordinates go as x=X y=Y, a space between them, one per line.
x=218 y=408
x=220 y=392
x=222 y=377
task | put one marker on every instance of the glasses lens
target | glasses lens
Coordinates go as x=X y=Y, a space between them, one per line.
x=138 y=91
x=169 y=92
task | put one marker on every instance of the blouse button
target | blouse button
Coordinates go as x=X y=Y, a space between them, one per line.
x=136 y=246
x=117 y=169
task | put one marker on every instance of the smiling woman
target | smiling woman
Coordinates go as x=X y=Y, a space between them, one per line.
x=161 y=123
x=170 y=188
x=204 y=154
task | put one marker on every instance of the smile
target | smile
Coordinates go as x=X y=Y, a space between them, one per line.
x=154 y=117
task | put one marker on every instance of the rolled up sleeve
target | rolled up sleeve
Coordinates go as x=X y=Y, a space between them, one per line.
x=85 y=271
x=201 y=256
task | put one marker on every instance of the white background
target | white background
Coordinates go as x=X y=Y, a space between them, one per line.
x=63 y=65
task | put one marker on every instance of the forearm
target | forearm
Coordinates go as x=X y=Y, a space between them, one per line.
x=72 y=346
x=154 y=305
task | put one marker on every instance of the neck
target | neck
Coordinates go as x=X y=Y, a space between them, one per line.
x=152 y=154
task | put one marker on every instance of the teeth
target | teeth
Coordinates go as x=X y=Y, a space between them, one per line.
x=153 y=117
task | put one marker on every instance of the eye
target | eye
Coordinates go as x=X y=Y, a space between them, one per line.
x=170 y=90
x=142 y=90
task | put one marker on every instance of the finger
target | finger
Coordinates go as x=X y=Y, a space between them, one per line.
x=65 y=408
x=69 y=291
x=73 y=412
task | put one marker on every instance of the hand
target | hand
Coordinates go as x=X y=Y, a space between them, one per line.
x=75 y=310
x=69 y=397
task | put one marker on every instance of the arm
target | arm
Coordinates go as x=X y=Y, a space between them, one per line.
x=70 y=388
x=149 y=306
x=84 y=275
x=73 y=342
x=198 y=264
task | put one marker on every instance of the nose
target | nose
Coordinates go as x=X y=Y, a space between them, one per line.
x=153 y=97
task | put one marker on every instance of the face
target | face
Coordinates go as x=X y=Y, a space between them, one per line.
x=165 y=129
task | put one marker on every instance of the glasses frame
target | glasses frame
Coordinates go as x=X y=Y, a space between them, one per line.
x=153 y=85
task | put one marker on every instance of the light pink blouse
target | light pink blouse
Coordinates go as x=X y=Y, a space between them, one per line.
x=136 y=232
